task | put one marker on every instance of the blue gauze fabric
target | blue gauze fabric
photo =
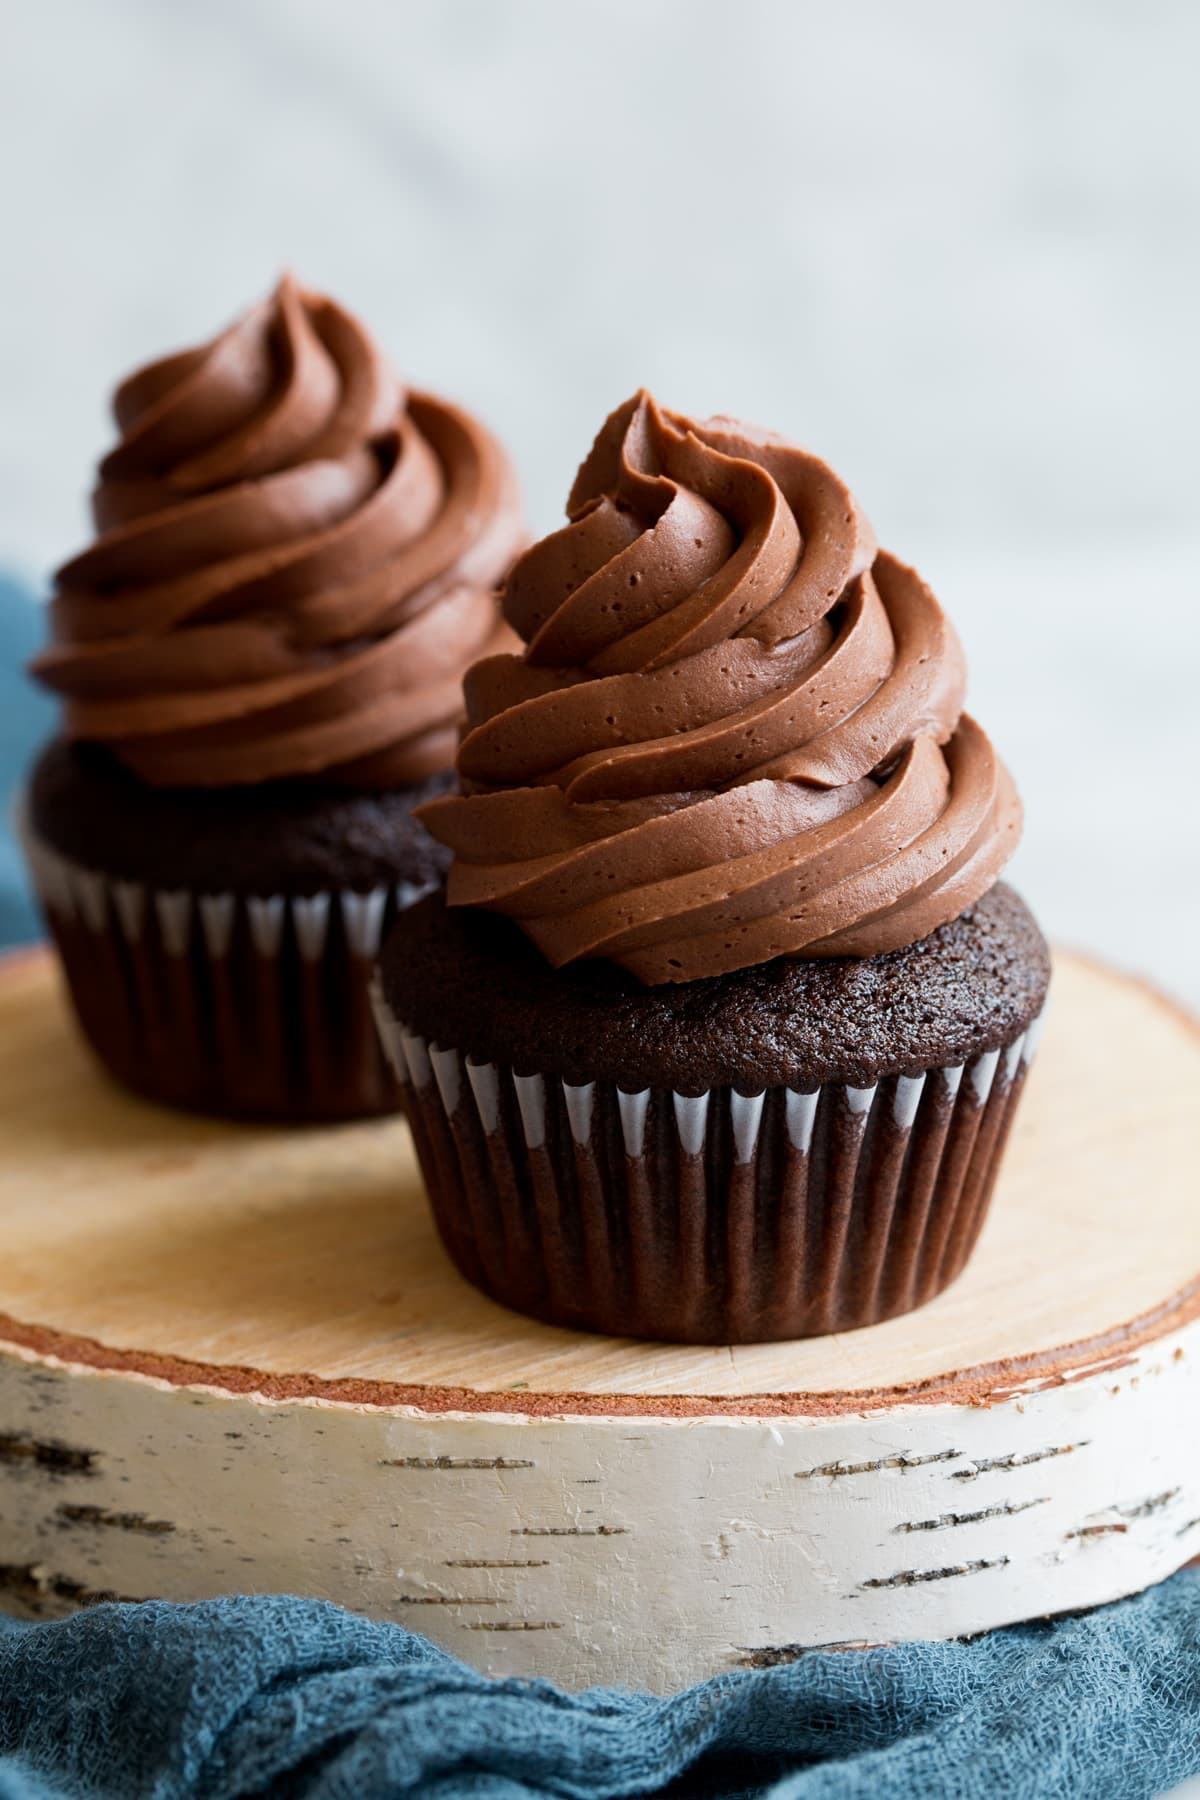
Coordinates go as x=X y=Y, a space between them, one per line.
x=26 y=716
x=294 y=1698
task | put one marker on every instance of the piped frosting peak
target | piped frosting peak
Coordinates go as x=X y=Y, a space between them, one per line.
x=295 y=561
x=736 y=730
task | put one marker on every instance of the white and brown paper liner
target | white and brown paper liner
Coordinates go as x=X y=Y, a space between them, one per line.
x=717 y=1218
x=226 y=1003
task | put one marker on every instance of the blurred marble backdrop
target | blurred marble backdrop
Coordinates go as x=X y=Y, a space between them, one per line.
x=952 y=247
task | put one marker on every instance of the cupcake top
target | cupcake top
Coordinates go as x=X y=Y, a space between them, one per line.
x=296 y=559
x=736 y=730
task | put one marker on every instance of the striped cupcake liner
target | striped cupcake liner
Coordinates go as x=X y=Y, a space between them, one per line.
x=240 y=1005
x=720 y=1217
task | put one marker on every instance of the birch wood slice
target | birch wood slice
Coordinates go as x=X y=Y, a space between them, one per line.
x=236 y=1359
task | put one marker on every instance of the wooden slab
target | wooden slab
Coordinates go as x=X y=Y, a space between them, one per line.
x=235 y=1358
x=312 y=1253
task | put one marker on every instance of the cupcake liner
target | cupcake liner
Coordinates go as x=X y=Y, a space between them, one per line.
x=246 y=1006
x=719 y=1217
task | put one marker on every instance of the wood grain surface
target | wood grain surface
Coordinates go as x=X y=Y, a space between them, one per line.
x=237 y=1360
x=310 y=1254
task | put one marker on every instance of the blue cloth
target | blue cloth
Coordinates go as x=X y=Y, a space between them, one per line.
x=297 y=1699
x=26 y=716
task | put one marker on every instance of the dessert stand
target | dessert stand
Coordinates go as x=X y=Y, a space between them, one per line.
x=237 y=1360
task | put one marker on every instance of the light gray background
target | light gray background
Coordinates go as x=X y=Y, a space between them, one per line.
x=953 y=248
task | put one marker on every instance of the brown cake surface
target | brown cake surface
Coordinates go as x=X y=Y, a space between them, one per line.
x=473 y=982
x=282 y=837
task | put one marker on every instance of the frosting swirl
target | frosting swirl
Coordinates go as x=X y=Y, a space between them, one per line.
x=295 y=561
x=736 y=730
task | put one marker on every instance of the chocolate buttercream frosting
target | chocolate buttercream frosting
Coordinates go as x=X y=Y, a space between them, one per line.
x=736 y=730
x=295 y=561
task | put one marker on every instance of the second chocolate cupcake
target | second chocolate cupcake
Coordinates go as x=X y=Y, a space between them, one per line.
x=260 y=663
x=740 y=1058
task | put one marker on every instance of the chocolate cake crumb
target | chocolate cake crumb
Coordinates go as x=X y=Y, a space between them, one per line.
x=294 y=837
x=472 y=981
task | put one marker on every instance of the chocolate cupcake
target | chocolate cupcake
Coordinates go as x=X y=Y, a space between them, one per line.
x=757 y=1015
x=260 y=663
